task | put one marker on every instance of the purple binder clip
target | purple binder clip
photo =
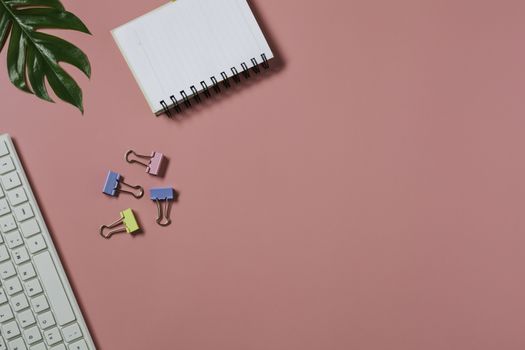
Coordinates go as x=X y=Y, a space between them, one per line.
x=114 y=183
x=155 y=165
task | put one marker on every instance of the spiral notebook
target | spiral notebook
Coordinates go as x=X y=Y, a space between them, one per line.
x=188 y=50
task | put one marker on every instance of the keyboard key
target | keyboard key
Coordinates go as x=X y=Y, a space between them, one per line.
x=29 y=227
x=12 y=286
x=52 y=336
x=24 y=212
x=36 y=244
x=20 y=255
x=3 y=149
x=79 y=345
x=33 y=287
x=58 y=298
x=2 y=344
x=7 y=223
x=17 y=344
x=46 y=320
x=17 y=196
x=26 y=271
x=39 y=346
x=5 y=313
x=13 y=239
x=6 y=165
x=40 y=303
x=1 y=192
x=4 y=207
x=10 y=180
x=3 y=296
x=59 y=347
x=7 y=269
x=4 y=255
x=32 y=335
x=19 y=302
x=26 y=318
x=71 y=332
x=10 y=330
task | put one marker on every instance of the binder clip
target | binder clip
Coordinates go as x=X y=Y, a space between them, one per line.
x=113 y=186
x=155 y=165
x=166 y=194
x=127 y=221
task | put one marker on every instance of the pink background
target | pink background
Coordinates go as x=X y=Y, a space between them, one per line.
x=369 y=194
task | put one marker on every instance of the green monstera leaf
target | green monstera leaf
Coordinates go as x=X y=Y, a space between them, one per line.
x=33 y=56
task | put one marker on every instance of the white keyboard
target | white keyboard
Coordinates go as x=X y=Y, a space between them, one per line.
x=37 y=307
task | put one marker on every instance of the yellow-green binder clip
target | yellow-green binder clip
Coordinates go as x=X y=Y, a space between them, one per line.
x=126 y=224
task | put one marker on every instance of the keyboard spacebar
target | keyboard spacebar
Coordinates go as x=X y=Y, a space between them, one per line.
x=53 y=286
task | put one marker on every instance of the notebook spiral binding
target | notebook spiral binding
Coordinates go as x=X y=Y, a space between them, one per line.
x=196 y=95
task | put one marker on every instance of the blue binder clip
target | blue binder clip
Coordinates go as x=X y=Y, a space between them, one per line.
x=166 y=194
x=113 y=186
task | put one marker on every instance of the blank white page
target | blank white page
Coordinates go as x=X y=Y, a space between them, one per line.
x=185 y=42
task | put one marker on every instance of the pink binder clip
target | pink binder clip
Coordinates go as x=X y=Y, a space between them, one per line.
x=156 y=163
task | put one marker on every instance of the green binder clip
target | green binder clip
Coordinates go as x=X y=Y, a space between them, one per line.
x=126 y=224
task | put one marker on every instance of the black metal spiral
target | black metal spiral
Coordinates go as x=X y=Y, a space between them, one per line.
x=187 y=102
x=235 y=76
x=225 y=80
x=216 y=86
x=205 y=89
x=175 y=104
